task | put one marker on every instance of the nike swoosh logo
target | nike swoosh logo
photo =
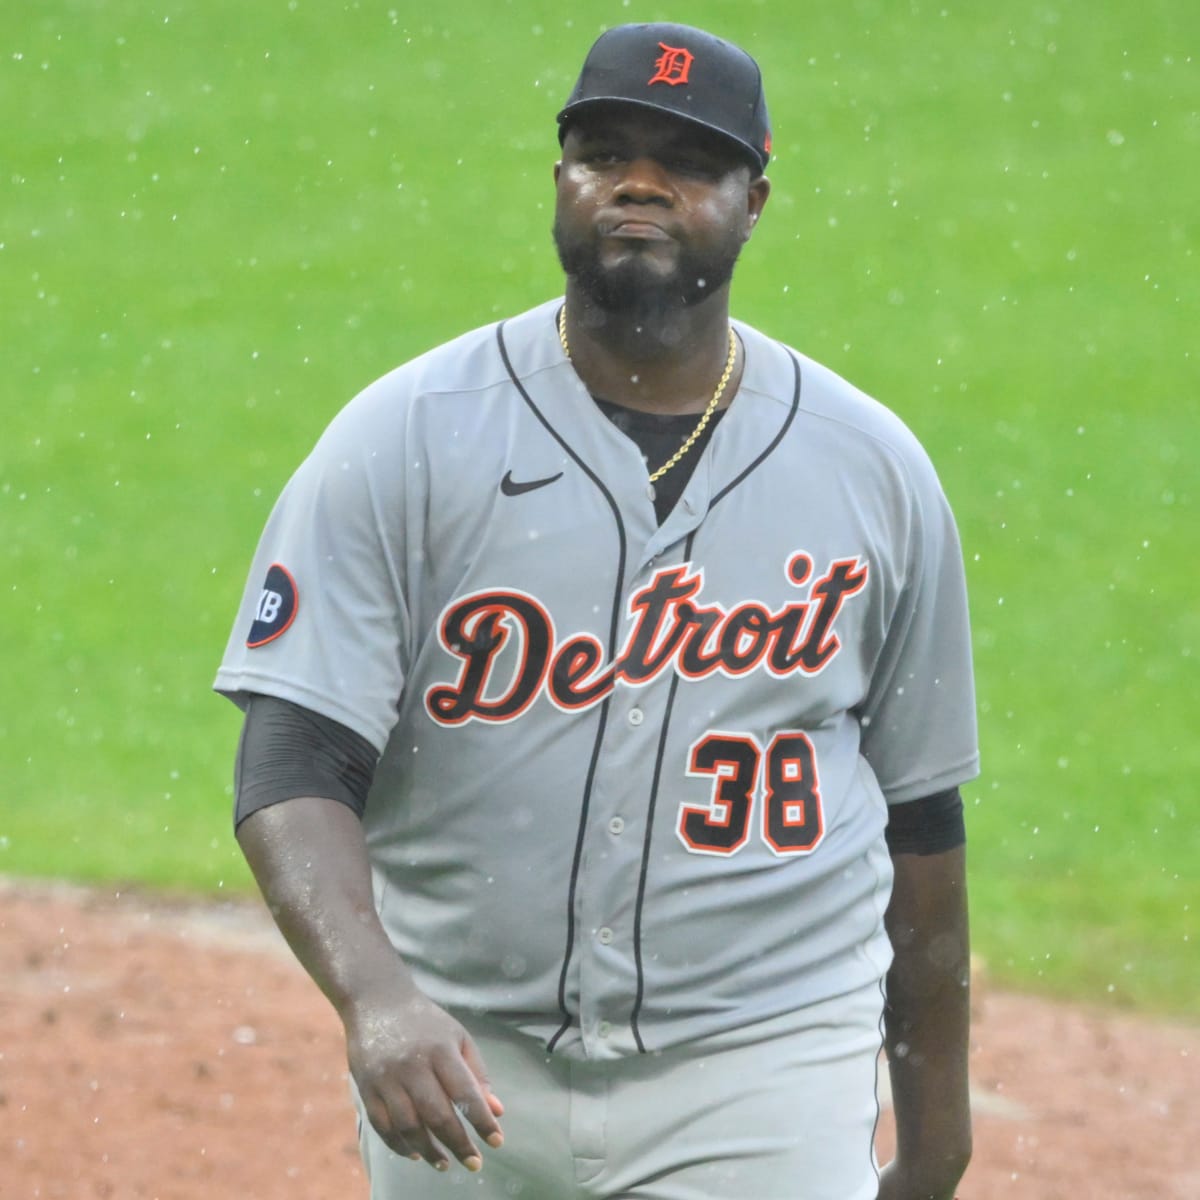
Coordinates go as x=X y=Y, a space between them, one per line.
x=511 y=488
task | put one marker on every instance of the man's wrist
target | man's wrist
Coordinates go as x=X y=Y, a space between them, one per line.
x=897 y=1183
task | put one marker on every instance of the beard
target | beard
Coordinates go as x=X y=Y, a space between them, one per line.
x=636 y=285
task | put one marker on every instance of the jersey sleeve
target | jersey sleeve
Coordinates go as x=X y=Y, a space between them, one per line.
x=323 y=621
x=919 y=723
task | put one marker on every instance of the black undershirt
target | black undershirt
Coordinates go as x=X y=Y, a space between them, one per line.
x=287 y=751
x=658 y=436
x=927 y=826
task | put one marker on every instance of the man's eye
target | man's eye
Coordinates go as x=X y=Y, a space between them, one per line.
x=691 y=165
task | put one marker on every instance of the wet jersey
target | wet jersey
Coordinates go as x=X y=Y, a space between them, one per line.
x=634 y=775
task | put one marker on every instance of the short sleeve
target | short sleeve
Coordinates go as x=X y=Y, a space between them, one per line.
x=919 y=723
x=323 y=620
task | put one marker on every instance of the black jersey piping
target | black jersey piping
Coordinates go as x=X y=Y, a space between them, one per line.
x=870 y=1146
x=640 y=990
x=792 y=411
x=585 y=805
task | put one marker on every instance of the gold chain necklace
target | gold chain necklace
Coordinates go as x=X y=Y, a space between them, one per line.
x=705 y=416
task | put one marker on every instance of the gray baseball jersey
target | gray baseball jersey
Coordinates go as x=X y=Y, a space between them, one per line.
x=634 y=777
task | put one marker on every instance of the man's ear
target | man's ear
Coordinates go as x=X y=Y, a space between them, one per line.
x=756 y=200
x=557 y=170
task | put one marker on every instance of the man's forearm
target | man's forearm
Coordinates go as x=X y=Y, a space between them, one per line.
x=418 y=1074
x=309 y=858
x=927 y=1026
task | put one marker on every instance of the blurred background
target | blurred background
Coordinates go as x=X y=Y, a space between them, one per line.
x=219 y=221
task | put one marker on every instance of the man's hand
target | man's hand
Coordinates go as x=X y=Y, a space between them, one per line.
x=421 y=1079
x=420 y=1075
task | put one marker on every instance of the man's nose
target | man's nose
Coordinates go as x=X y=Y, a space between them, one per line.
x=645 y=181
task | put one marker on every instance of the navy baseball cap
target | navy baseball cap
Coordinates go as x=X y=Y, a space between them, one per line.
x=680 y=70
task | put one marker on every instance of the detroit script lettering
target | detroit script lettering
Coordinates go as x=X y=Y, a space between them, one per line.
x=671 y=630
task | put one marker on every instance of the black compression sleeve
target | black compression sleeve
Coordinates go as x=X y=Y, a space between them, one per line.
x=287 y=751
x=927 y=826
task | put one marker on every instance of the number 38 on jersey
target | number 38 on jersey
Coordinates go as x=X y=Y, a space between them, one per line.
x=779 y=784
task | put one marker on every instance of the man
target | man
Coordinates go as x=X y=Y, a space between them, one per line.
x=601 y=670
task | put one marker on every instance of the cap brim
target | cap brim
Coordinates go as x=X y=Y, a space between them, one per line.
x=757 y=160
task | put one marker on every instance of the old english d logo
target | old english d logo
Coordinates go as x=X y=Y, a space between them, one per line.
x=673 y=65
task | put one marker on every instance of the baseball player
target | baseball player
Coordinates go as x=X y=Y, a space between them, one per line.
x=607 y=691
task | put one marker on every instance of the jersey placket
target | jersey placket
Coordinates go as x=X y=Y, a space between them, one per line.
x=619 y=838
x=610 y=870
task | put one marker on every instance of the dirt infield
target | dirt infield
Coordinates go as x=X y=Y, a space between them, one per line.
x=163 y=1050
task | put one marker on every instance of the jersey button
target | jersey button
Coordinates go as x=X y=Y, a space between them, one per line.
x=616 y=826
x=604 y=1029
x=636 y=716
x=605 y=935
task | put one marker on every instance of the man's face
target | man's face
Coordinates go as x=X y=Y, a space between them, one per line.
x=652 y=211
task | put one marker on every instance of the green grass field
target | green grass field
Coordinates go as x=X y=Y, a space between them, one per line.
x=219 y=221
